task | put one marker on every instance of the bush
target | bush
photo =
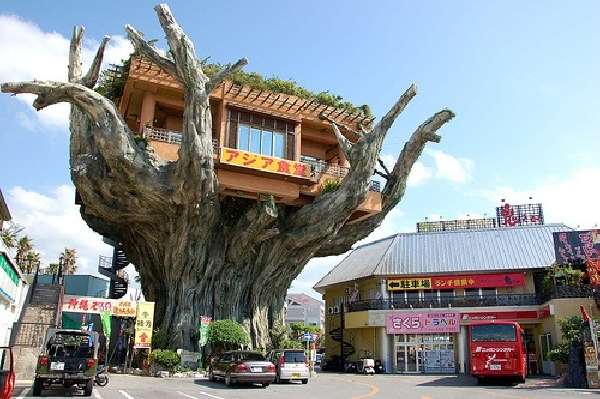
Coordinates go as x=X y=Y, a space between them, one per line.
x=160 y=339
x=165 y=358
x=330 y=185
x=571 y=334
x=228 y=334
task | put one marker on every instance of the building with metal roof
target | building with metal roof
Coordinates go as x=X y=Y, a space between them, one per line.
x=410 y=300
x=481 y=250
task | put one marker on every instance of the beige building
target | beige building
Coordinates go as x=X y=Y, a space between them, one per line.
x=484 y=274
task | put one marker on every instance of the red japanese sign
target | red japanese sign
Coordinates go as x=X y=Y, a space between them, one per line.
x=508 y=315
x=478 y=281
x=117 y=307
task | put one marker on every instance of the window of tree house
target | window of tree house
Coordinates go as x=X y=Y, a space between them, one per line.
x=260 y=134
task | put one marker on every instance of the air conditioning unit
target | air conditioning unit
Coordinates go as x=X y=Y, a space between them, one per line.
x=336 y=309
x=348 y=290
x=330 y=310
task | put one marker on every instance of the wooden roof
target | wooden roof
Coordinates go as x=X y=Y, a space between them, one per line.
x=278 y=104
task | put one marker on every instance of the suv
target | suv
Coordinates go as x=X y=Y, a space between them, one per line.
x=242 y=367
x=69 y=357
x=290 y=364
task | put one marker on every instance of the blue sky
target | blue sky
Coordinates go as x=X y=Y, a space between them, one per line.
x=522 y=78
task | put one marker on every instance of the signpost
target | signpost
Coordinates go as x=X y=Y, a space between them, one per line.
x=143 y=325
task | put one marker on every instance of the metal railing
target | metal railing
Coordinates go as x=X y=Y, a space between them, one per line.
x=164 y=135
x=445 y=302
x=320 y=168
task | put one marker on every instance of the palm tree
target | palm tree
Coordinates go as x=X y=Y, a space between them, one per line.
x=24 y=246
x=9 y=235
x=69 y=256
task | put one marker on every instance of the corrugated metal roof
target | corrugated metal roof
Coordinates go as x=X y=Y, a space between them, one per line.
x=484 y=250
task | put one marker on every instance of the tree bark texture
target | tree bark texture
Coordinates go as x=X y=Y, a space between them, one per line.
x=199 y=253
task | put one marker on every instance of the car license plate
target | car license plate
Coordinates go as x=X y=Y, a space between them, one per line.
x=295 y=375
x=57 y=366
x=495 y=367
x=256 y=369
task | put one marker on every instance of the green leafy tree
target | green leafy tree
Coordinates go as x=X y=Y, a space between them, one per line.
x=52 y=268
x=26 y=258
x=571 y=333
x=300 y=328
x=227 y=334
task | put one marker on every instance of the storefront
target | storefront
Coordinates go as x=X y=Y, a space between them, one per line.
x=427 y=353
x=423 y=341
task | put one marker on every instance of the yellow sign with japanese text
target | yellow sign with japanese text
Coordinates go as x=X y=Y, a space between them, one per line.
x=409 y=284
x=143 y=324
x=263 y=162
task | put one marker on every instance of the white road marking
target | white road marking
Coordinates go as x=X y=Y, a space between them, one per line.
x=97 y=394
x=128 y=396
x=24 y=393
x=201 y=393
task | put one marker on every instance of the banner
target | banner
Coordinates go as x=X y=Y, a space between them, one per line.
x=263 y=162
x=106 y=326
x=83 y=304
x=507 y=315
x=143 y=324
x=204 y=323
x=479 y=281
x=422 y=322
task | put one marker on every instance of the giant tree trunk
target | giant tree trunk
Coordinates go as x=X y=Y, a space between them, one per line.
x=198 y=253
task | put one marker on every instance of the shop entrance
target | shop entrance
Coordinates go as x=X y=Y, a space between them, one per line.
x=427 y=353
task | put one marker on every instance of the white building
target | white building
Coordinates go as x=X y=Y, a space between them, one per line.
x=301 y=308
x=13 y=287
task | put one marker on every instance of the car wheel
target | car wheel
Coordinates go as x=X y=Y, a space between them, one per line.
x=37 y=387
x=266 y=384
x=305 y=380
x=228 y=381
x=89 y=386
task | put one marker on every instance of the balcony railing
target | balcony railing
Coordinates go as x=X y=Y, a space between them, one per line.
x=320 y=168
x=164 y=135
x=445 y=302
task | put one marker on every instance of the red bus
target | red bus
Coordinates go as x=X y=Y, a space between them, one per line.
x=498 y=350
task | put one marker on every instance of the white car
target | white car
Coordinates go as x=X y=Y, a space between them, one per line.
x=290 y=364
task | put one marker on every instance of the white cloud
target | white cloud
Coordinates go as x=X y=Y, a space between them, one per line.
x=419 y=173
x=572 y=200
x=53 y=222
x=456 y=170
x=29 y=53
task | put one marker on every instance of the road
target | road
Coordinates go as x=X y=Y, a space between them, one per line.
x=325 y=385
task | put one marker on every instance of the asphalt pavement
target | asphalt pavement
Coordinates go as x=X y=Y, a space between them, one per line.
x=324 y=385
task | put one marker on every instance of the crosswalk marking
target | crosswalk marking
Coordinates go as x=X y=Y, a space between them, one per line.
x=24 y=393
x=128 y=396
x=201 y=393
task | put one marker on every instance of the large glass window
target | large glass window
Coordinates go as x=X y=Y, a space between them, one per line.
x=493 y=332
x=261 y=134
x=243 y=142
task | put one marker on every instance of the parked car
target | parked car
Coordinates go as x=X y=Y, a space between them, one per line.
x=69 y=357
x=242 y=367
x=290 y=364
x=7 y=372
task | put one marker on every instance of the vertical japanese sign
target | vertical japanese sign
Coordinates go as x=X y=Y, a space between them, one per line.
x=143 y=324
x=573 y=247
x=204 y=323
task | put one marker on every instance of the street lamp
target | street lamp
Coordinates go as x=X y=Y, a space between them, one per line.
x=60 y=269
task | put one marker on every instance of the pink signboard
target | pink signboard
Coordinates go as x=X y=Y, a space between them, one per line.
x=422 y=322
